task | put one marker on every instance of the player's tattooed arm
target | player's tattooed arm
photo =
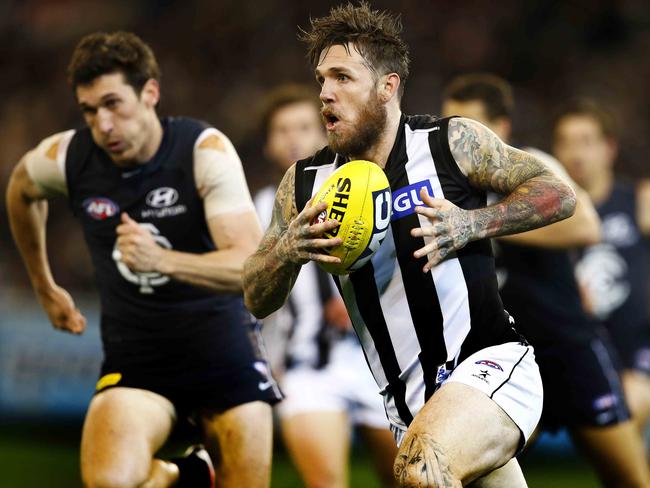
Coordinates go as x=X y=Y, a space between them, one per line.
x=535 y=196
x=422 y=462
x=290 y=241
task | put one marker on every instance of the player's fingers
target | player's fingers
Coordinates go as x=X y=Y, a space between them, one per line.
x=318 y=229
x=309 y=212
x=321 y=243
x=430 y=212
x=443 y=242
x=126 y=219
x=440 y=228
x=76 y=323
x=437 y=257
x=322 y=258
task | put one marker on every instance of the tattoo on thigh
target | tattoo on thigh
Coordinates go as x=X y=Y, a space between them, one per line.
x=422 y=462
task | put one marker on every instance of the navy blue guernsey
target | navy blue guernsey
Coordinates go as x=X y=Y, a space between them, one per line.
x=411 y=323
x=160 y=194
x=616 y=271
x=541 y=291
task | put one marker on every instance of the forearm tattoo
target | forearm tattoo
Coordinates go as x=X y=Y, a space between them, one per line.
x=534 y=195
x=423 y=463
x=268 y=274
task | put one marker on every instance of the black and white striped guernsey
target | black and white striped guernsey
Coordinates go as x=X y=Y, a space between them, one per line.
x=411 y=324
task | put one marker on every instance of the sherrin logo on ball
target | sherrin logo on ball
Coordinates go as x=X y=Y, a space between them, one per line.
x=358 y=196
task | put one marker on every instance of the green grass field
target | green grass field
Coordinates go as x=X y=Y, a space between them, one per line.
x=35 y=456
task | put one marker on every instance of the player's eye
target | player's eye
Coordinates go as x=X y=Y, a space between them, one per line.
x=320 y=80
x=111 y=103
x=342 y=77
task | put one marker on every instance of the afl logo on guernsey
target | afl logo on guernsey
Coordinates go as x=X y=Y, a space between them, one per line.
x=407 y=198
x=491 y=364
x=162 y=197
x=100 y=208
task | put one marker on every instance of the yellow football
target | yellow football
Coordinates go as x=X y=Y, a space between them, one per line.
x=358 y=196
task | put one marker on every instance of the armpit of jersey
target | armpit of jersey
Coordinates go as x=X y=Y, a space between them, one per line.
x=219 y=175
x=46 y=164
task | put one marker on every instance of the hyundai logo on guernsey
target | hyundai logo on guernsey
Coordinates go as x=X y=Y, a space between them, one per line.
x=162 y=202
x=100 y=208
x=162 y=197
x=407 y=198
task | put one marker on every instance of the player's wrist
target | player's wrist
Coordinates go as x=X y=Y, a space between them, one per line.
x=164 y=262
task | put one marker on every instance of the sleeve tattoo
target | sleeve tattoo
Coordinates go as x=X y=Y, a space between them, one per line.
x=534 y=195
x=268 y=275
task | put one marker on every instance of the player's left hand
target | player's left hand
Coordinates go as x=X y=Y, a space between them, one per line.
x=137 y=246
x=451 y=229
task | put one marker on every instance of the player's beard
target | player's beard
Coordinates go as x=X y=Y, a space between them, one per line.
x=369 y=126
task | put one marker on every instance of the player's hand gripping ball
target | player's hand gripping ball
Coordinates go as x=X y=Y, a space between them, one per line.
x=358 y=196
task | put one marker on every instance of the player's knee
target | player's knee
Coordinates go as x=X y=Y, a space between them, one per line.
x=114 y=477
x=413 y=470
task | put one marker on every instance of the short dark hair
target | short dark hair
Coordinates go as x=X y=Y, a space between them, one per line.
x=104 y=53
x=589 y=108
x=283 y=96
x=375 y=34
x=494 y=92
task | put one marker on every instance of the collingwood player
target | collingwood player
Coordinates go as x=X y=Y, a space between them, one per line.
x=461 y=388
x=325 y=380
x=579 y=367
x=168 y=219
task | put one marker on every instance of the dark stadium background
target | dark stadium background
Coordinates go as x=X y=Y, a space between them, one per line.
x=218 y=58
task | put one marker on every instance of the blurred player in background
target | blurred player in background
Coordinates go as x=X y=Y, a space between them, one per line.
x=613 y=275
x=326 y=379
x=168 y=219
x=579 y=368
x=461 y=388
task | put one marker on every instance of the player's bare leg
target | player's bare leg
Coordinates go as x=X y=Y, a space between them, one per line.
x=246 y=434
x=124 y=428
x=508 y=475
x=319 y=444
x=636 y=386
x=617 y=453
x=383 y=450
x=459 y=435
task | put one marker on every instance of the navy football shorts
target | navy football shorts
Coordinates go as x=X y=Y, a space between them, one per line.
x=582 y=386
x=208 y=366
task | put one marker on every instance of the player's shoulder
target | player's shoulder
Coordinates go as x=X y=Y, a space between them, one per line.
x=423 y=122
x=201 y=134
x=185 y=129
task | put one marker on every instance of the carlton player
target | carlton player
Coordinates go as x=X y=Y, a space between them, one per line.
x=168 y=219
x=461 y=388
x=613 y=274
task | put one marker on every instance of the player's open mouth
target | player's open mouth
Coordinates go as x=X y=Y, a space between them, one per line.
x=330 y=120
x=116 y=146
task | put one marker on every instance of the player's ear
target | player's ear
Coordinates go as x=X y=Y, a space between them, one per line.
x=388 y=86
x=150 y=93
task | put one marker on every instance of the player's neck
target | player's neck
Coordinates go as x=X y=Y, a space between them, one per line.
x=600 y=187
x=379 y=152
x=154 y=139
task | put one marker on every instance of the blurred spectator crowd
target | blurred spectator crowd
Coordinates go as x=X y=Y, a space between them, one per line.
x=219 y=58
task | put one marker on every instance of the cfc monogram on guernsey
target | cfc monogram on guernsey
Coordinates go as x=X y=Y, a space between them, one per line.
x=411 y=323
